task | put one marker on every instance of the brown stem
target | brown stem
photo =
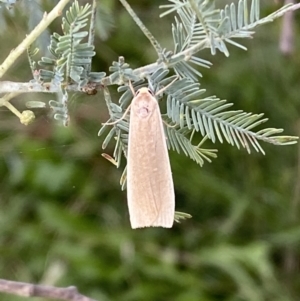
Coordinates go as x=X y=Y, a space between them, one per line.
x=286 y=41
x=35 y=290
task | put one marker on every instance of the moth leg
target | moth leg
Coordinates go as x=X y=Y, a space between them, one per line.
x=116 y=121
x=168 y=125
x=167 y=86
x=131 y=87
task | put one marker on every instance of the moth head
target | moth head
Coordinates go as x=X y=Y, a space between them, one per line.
x=144 y=90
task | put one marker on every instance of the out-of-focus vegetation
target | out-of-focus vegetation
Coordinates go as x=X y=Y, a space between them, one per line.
x=64 y=220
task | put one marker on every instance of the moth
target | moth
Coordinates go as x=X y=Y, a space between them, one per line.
x=150 y=189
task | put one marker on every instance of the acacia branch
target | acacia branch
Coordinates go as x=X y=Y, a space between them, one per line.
x=142 y=72
x=35 y=33
x=35 y=290
x=286 y=42
x=31 y=87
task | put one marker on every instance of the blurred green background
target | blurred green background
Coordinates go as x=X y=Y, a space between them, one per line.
x=64 y=220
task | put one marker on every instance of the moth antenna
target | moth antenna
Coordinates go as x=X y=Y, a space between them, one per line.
x=131 y=88
x=116 y=121
x=126 y=111
x=167 y=86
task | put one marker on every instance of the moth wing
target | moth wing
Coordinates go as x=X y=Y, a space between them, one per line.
x=150 y=189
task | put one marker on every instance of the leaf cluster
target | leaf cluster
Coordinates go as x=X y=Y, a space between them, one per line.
x=198 y=25
x=60 y=214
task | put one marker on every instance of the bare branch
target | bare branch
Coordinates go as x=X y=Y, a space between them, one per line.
x=47 y=19
x=143 y=28
x=142 y=72
x=286 y=42
x=34 y=290
x=8 y=87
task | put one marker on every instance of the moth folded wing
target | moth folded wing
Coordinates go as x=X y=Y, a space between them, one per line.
x=164 y=198
x=151 y=199
x=162 y=183
x=150 y=190
x=141 y=203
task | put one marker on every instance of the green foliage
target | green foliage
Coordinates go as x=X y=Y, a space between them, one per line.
x=176 y=136
x=64 y=221
x=207 y=116
x=71 y=56
x=200 y=25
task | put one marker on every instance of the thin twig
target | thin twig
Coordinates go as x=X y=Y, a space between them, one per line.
x=92 y=29
x=35 y=290
x=194 y=6
x=4 y=101
x=47 y=19
x=6 y=87
x=26 y=117
x=144 y=29
x=7 y=97
x=286 y=41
